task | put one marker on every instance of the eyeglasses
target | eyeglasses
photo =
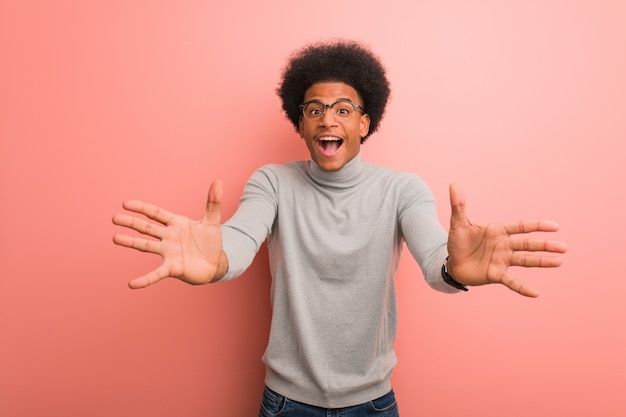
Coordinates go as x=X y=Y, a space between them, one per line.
x=343 y=109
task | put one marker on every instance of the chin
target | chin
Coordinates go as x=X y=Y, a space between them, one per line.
x=329 y=166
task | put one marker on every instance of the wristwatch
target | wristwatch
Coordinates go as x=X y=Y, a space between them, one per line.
x=448 y=278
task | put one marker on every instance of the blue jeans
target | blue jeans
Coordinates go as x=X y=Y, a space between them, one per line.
x=276 y=405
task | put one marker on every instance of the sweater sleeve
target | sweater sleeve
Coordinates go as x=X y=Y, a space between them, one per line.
x=423 y=233
x=244 y=233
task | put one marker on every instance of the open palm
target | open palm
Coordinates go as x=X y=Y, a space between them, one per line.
x=191 y=249
x=482 y=254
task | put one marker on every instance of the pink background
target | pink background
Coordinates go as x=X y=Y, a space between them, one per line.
x=523 y=103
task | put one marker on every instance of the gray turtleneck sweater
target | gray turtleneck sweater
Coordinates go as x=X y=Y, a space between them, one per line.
x=334 y=241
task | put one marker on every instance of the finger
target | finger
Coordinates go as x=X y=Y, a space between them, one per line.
x=149 y=210
x=535 y=245
x=535 y=261
x=149 y=279
x=518 y=286
x=140 y=225
x=457 y=204
x=141 y=244
x=213 y=212
x=529 y=226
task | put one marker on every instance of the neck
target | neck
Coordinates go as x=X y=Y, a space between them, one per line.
x=347 y=176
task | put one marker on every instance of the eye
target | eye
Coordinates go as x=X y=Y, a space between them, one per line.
x=314 y=110
x=344 y=110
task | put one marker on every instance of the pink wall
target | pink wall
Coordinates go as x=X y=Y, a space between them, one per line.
x=523 y=103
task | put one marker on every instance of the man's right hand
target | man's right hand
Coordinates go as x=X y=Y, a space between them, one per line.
x=191 y=249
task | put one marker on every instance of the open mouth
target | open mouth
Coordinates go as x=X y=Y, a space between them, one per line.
x=329 y=145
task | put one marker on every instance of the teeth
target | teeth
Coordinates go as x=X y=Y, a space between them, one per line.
x=329 y=139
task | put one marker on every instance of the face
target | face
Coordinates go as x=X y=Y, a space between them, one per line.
x=331 y=142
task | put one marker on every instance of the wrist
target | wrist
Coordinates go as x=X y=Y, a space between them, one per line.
x=449 y=279
x=222 y=268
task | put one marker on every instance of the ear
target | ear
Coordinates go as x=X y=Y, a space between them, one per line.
x=301 y=126
x=365 y=125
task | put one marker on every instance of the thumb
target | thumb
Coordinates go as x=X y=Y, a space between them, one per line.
x=457 y=204
x=213 y=212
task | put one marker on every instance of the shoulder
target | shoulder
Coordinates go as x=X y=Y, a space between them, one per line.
x=391 y=177
x=281 y=171
x=283 y=168
x=273 y=174
x=406 y=188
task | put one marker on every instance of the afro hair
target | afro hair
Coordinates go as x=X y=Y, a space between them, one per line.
x=348 y=62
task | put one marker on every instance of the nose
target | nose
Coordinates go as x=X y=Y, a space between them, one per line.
x=328 y=118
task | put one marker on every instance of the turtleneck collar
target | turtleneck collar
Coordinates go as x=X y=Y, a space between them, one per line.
x=347 y=176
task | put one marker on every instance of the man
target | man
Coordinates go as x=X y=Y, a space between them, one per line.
x=335 y=227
